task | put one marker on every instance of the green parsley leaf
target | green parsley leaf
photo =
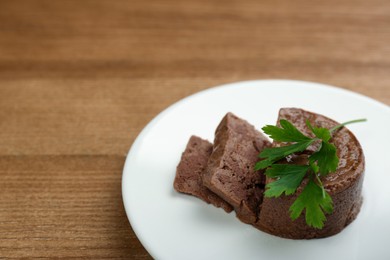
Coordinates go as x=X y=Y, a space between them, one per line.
x=264 y=164
x=286 y=133
x=314 y=203
x=272 y=155
x=320 y=132
x=326 y=158
x=289 y=177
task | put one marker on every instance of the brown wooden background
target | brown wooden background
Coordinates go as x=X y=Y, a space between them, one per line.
x=80 y=79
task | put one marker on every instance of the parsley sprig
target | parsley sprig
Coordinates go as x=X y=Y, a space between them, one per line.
x=288 y=177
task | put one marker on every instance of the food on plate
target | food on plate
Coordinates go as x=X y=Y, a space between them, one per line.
x=306 y=184
x=230 y=169
x=189 y=172
x=343 y=186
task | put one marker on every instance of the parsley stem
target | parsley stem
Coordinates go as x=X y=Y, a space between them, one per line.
x=321 y=185
x=347 y=123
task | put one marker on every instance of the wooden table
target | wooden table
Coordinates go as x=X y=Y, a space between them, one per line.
x=80 y=79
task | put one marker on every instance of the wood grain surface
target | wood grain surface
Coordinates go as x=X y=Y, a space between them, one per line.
x=80 y=79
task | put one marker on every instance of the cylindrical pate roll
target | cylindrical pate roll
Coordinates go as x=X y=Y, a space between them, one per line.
x=344 y=185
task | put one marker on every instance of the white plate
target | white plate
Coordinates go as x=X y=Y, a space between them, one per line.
x=176 y=226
